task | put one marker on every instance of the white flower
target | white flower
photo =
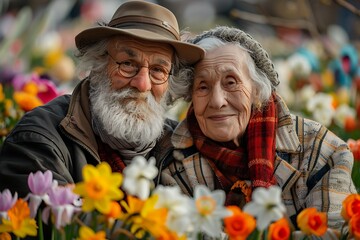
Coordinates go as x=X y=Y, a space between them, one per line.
x=306 y=93
x=208 y=211
x=266 y=206
x=138 y=177
x=341 y=113
x=177 y=204
x=321 y=108
x=299 y=65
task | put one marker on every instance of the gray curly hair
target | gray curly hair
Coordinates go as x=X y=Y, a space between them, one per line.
x=261 y=69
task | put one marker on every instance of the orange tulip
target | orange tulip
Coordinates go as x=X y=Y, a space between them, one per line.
x=27 y=101
x=312 y=222
x=240 y=224
x=5 y=236
x=354 y=226
x=354 y=146
x=279 y=230
x=350 y=206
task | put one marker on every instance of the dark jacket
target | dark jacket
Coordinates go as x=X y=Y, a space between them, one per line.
x=57 y=136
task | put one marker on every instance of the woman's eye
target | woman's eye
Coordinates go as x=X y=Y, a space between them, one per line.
x=202 y=89
x=231 y=84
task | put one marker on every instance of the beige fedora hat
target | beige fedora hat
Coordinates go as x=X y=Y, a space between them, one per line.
x=143 y=20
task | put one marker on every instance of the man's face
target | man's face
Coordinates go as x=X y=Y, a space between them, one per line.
x=145 y=59
x=222 y=94
x=132 y=109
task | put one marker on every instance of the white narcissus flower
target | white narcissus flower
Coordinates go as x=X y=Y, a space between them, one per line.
x=138 y=177
x=266 y=206
x=341 y=113
x=321 y=108
x=306 y=93
x=208 y=211
x=177 y=204
x=300 y=66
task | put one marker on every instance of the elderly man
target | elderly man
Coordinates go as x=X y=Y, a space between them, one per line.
x=116 y=112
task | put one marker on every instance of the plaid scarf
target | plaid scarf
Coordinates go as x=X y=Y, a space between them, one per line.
x=111 y=156
x=252 y=160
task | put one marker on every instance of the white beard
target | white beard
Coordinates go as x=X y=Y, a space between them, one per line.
x=127 y=114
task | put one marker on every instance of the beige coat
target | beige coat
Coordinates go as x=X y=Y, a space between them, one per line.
x=313 y=166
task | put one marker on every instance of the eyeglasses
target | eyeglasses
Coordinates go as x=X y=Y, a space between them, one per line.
x=130 y=68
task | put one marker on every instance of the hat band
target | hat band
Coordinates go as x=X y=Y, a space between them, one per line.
x=137 y=21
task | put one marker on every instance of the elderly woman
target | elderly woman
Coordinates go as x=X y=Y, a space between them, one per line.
x=239 y=134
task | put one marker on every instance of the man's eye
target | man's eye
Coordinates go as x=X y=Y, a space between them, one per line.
x=128 y=65
x=158 y=69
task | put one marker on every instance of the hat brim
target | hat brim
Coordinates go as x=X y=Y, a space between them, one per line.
x=188 y=52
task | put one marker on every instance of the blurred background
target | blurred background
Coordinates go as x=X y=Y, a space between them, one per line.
x=315 y=45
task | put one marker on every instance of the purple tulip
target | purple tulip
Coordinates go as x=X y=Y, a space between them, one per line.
x=39 y=184
x=7 y=201
x=61 y=204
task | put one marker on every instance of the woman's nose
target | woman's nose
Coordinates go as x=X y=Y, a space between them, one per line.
x=218 y=97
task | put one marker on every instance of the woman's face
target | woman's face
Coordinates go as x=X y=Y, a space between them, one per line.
x=222 y=94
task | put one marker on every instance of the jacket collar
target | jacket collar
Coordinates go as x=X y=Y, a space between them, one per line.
x=77 y=122
x=286 y=137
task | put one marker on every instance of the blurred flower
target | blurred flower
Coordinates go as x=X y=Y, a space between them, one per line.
x=5 y=236
x=60 y=203
x=350 y=206
x=139 y=177
x=99 y=188
x=208 y=210
x=240 y=224
x=39 y=185
x=177 y=205
x=354 y=226
x=145 y=216
x=279 y=230
x=321 y=108
x=266 y=206
x=299 y=65
x=86 y=233
x=354 y=146
x=19 y=223
x=343 y=112
x=6 y=202
x=312 y=222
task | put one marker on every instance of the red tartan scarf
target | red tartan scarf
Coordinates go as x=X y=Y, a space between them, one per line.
x=253 y=160
x=112 y=157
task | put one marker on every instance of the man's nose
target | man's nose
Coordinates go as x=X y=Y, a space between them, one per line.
x=141 y=80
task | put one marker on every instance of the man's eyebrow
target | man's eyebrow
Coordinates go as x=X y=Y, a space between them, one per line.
x=128 y=51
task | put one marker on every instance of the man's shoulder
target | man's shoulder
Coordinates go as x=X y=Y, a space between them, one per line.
x=44 y=118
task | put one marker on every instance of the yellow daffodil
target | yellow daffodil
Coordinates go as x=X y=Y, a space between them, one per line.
x=86 y=233
x=145 y=217
x=2 y=95
x=19 y=222
x=99 y=188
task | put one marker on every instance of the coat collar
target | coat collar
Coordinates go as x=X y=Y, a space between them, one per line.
x=77 y=122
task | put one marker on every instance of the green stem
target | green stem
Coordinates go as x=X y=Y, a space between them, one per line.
x=40 y=223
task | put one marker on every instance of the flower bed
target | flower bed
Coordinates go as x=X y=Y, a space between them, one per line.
x=110 y=205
